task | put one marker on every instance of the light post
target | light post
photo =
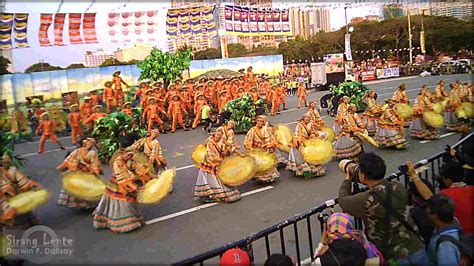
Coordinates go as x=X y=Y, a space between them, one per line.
x=410 y=36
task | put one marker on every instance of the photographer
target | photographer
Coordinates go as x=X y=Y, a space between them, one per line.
x=465 y=156
x=384 y=210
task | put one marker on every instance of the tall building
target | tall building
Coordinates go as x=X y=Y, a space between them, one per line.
x=135 y=52
x=94 y=59
x=393 y=11
x=309 y=21
x=460 y=10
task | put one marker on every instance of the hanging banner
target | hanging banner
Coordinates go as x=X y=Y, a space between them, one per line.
x=334 y=63
x=422 y=42
x=59 y=19
x=75 y=20
x=88 y=28
x=348 y=51
x=20 y=30
x=133 y=27
x=45 y=22
x=6 y=25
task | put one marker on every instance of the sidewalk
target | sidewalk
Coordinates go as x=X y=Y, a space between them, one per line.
x=389 y=79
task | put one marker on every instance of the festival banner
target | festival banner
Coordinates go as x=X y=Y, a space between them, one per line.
x=136 y=27
x=347 y=44
x=285 y=21
x=75 y=21
x=59 y=19
x=45 y=22
x=20 y=30
x=190 y=23
x=6 y=26
x=334 y=63
x=88 y=28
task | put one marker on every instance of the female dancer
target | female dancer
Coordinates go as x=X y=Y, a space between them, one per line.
x=400 y=95
x=304 y=131
x=347 y=145
x=152 y=149
x=372 y=113
x=418 y=127
x=208 y=186
x=84 y=159
x=389 y=132
x=341 y=114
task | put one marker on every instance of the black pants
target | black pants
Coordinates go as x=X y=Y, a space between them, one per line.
x=207 y=125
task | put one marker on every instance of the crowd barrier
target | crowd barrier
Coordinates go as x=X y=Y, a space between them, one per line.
x=296 y=236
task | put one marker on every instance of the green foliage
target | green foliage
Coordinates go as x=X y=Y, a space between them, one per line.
x=109 y=129
x=76 y=65
x=7 y=145
x=236 y=50
x=130 y=93
x=354 y=90
x=112 y=62
x=40 y=66
x=243 y=111
x=211 y=53
x=4 y=63
x=167 y=66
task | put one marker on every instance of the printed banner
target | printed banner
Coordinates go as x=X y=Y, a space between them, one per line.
x=45 y=22
x=240 y=20
x=59 y=20
x=334 y=63
x=20 y=30
x=6 y=25
x=128 y=27
x=391 y=72
x=75 y=20
x=88 y=28
x=347 y=43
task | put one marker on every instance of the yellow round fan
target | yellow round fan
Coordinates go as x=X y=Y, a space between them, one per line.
x=367 y=138
x=83 y=185
x=433 y=119
x=158 y=188
x=198 y=154
x=284 y=138
x=265 y=161
x=235 y=170
x=331 y=135
x=316 y=151
x=438 y=108
x=404 y=110
x=27 y=201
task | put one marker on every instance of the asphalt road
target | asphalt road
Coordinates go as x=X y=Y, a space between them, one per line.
x=180 y=227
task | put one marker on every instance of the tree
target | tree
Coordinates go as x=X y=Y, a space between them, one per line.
x=211 y=53
x=41 y=66
x=167 y=66
x=236 y=50
x=4 y=63
x=76 y=65
x=112 y=62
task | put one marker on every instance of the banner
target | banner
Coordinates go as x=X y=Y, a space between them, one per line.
x=241 y=20
x=59 y=19
x=136 y=27
x=6 y=25
x=20 y=30
x=88 y=28
x=45 y=22
x=391 y=72
x=75 y=20
x=191 y=24
x=348 y=47
x=422 y=42
x=334 y=63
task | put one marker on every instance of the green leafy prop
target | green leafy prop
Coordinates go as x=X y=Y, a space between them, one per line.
x=354 y=90
x=243 y=111
x=7 y=146
x=109 y=129
x=167 y=66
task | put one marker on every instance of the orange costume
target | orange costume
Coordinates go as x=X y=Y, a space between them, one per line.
x=95 y=99
x=75 y=123
x=46 y=127
x=400 y=96
x=222 y=101
x=187 y=97
x=95 y=116
x=175 y=111
x=281 y=91
x=127 y=109
x=198 y=104
x=274 y=98
x=151 y=113
x=118 y=81
x=86 y=110
x=302 y=95
x=109 y=96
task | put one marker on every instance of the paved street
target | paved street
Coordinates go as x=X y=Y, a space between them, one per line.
x=180 y=227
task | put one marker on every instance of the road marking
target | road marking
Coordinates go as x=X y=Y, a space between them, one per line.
x=177 y=154
x=201 y=207
x=48 y=151
x=440 y=137
x=185 y=167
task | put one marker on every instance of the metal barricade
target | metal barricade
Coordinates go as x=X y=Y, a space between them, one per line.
x=302 y=241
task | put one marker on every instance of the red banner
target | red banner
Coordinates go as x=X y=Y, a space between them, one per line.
x=59 y=19
x=45 y=22
x=88 y=28
x=75 y=28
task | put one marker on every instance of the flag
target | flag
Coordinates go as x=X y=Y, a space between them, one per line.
x=75 y=28
x=88 y=28
x=45 y=22
x=20 y=26
x=59 y=19
x=348 y=47
x=6 y=25
x=422 y=42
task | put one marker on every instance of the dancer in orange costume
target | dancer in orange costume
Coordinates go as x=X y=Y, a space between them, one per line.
x=222 y=101
x=151 y=114
x=400 y=95
x=127 y=108
x=176 y=110
x=314 y=115
x=240 y=92
x=75 y=123
x=46 y=129
x=109 y=96
x=198 y=104
x=118 y=81
x=86 y=110
x=141 y=90
x=172 y=91
x=144 y=99
x=187 y=98
x=95 y=98
x=281 y=91
x=274 y=98
x=302 y=95
x=250 y=76
x=253 y=94
x=92 y=119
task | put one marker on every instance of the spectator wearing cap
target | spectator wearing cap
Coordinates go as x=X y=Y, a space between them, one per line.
x=235 y=257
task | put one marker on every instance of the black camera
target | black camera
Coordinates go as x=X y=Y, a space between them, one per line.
x=324 y=215
x=351 y=168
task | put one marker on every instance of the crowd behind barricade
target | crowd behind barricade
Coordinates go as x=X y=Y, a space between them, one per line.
x=294 y=74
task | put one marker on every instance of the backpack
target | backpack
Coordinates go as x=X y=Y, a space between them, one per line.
x=464 y=246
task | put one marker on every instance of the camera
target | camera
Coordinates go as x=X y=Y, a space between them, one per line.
x=324 y=215
x=351 y=168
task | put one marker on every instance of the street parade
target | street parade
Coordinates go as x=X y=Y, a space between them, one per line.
x=155 y=159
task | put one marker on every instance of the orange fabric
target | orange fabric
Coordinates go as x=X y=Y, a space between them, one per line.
x=222 y=102
x=197 y=111
x=127 y=111
x=108 y=94
x=47 y=127
x=76 y=131
x=86 y=110
x=95 y=99
x=117 y=81
x=119 y=96
x=93 y=117
x=175 y=111
x=74 y=119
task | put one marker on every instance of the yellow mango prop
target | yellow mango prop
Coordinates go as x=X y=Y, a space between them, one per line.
x=27 y=201
x=265 y=161
x=316 y=151
x=83 y=185
x=235 y=170
x=158 y=188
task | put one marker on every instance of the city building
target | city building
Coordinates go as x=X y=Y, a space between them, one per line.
x=309 y=21
x=460 y=10
x=135 y=52
x=393 y=11
x=181 y=3
x=357 y=20
x=94 y=59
